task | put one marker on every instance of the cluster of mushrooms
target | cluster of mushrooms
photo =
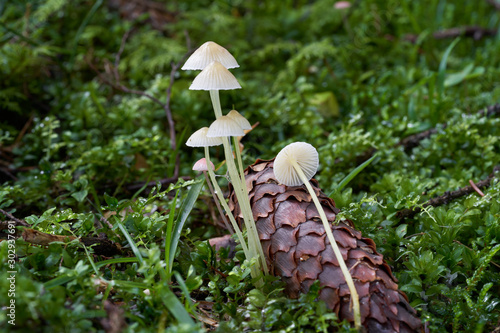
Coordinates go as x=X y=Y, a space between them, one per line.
x=295 y=164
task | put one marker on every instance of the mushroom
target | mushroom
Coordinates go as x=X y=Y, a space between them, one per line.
x=207 y=53
x=245 y=125
x=202 y=165
x=242 y=121
x=224 y=126
x=200 y=139
x=295 y=165
x=213 y=78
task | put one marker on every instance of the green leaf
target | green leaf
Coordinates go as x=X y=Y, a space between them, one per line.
x=80 y=195
x=401 y=230
x=60 y=280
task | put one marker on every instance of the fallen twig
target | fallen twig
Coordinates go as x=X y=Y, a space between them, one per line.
x=414 y=140
x=447 y=196
x=469 y=31
x=13 y=218
x=101 y=246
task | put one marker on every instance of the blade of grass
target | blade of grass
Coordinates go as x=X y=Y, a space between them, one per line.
x=130 y=284
x=185 y=210
x=173 y=304
x=174 y=153
x=185 y=291
x=353 y=174
x=134 y=247
x=139 y=191
x=442 y=69
x=82 y=27
x=168 y=235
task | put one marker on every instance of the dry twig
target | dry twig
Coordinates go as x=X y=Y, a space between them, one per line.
x=101 y=246
x=448 y=196
x=13 y=218
x=469 y=31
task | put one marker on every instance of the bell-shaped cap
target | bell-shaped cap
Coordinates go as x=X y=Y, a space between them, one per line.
x=200 y=139
x=306 y=157
x=224 y=126
x=207 y=53
x=242 y=121
x=201 y=165
x=215 y=77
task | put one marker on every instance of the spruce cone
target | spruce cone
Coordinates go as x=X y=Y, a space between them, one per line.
x=297 y=249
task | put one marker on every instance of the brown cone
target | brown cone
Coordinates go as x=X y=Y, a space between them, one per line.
x=297 y=249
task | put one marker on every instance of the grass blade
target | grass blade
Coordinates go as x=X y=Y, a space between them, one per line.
x=82 y=27
x=134 y=247
x=168 y=235
x=185 y=210
x=353 y=174
x=175 y=306
x=184 y=290
x=442 y=69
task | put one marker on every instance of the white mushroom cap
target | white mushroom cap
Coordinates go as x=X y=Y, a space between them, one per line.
x=200 y=139
x=201 y=165
x=306 y=157
x=224 y=126
x=207 y=53
x=215 y=77
x=242 y=121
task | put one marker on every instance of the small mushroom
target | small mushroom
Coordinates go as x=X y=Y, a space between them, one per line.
x=242 y=121
x=215 y=77
x=207 y=53
x=305 y=156
x=295 y=165
x=202 y=165
x=200 y=139
x=342 y=5
x=224 y=126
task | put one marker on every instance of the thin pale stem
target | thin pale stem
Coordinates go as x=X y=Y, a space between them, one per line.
x=336 y=250
x=217 y=203
x=244 y=202
x=214 y=96
x=223 y=202
x=236 y=145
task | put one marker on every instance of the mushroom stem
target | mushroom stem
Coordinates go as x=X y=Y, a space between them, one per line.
x=217 y=203
x=244 y=203
x=223 y=202
x=336 y=250
x=214 y=96
x=240 y=163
